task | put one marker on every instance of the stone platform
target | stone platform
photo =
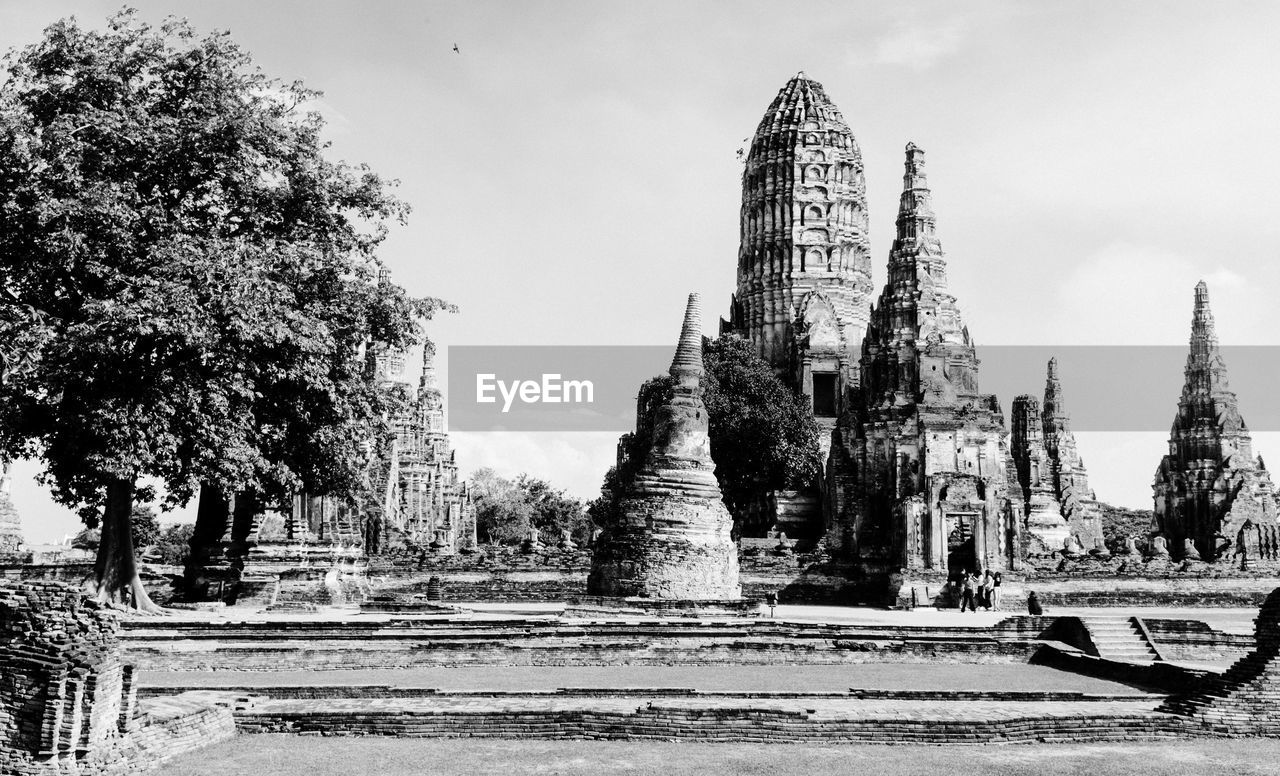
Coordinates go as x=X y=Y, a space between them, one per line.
x=594 y=607
x=715 y=717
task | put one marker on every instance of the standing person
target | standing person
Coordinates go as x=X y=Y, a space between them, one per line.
x=996 y=579
x=966 y=591
x=988 y=590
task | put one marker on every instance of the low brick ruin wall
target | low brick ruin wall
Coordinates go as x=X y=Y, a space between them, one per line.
x=757 y=725
x=1192 y=640
x=67 y=699
x=552 y=575
x=266 y=646
x=1210 y=587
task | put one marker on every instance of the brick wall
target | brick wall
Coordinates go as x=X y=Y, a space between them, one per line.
x=68 y=701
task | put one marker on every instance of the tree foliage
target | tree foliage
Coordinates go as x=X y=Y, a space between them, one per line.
x=187 y=283
x=171 y=545
x=763 y=434
x=508 y=510
x=144 y=526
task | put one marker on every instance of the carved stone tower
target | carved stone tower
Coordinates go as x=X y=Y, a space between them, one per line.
x=1070 y=478
x=804 y=266
x=672 y=540
x=1047 y=529
x=924 y=459
x=11 y=542
x=1209 y=487
x=425 y=498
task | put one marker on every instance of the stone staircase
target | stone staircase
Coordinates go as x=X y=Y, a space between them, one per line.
x=1119 y=638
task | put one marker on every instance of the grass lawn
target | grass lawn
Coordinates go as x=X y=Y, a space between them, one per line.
x=282 y=755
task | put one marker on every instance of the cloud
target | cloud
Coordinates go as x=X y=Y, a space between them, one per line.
x=1128 y=293
x=919 y=47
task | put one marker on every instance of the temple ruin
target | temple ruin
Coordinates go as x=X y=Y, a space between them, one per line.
x=1211 y=492
x=672 y=539
x=12 y=545
x=424 y=497
x=1061 y=510
x=242 y=548
x=919 y=469
x=804 y=264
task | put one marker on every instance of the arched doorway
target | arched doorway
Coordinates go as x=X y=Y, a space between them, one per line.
x=961 y=555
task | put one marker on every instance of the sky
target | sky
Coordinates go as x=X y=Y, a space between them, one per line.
x=573 y=174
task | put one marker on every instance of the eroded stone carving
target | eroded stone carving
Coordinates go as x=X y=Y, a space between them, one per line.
x=673 y=540
x=1209 y=484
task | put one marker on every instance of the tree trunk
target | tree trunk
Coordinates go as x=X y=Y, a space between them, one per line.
x=116 y=579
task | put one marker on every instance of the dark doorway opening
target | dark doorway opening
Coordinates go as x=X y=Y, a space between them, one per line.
x=961 y=555
x=825 y=400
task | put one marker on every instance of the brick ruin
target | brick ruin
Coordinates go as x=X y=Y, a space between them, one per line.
x=65 y=696
x=1213 y=498
x=672 y=539
x=1245 y=700
x=1061 y=510
x=804 y=265
x=12 y=546
x=69 y=703
x=424 y=499
x=804 y=273
x=919 y=474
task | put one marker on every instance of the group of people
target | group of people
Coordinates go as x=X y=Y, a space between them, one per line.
x=973 y=590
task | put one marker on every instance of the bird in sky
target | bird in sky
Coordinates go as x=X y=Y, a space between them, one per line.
x=455 y=49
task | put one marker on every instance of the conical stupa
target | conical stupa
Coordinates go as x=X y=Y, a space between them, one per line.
x=672 y=539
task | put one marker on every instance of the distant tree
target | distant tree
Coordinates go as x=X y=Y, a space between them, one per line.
x=507 y=510
x=763 y=434
x=87 y=539
x=172 y=543
x=1119 y=523
x=187 y=284
x=144 y=527
x=554 y=511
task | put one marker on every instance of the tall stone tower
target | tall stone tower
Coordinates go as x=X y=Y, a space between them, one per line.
x=1209 y=486
x=1047 y=529
x=426 y=499
x=1051 y=473
x=672 y=539
x=1070 y=478
x=804 y=266
x=922 y=465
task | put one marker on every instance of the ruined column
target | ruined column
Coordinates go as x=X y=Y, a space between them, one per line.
x=61 y=682
x=1044 y=521
x=672 y=540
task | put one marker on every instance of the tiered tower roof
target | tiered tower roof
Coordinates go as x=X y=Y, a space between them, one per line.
x=916 y=314
x=803 y=224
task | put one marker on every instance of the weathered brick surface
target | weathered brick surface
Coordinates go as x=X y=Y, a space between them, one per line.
x=1246 y=699
x=67 y=702
x=1193 y=640
x=818 y=720
x=672 y=539
x=265 y=646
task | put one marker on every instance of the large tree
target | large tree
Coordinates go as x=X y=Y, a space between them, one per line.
x=187 y=283
x=763 y=434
